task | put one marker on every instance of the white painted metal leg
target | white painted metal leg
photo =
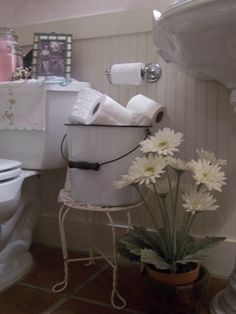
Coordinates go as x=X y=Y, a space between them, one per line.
x=115 y=292
x=91 y=258
x=59 y=287
x=70 y=203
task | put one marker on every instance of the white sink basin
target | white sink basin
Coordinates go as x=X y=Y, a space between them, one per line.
x=200 y=35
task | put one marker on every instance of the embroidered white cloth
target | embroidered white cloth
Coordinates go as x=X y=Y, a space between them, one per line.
x=23 y=105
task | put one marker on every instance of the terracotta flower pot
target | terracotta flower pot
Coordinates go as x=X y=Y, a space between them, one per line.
x=176 y=298
x=174 y=279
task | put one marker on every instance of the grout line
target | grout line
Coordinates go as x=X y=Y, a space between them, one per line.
x=48 y=290
x=107 y=305
x=56 y=305
x=89 y=280
x=65 y=298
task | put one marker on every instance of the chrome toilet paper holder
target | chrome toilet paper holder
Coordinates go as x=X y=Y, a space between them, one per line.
x=150 y=73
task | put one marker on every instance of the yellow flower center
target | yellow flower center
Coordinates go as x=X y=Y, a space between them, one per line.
x=195 y=205
x=163 y=144
x=150 y=169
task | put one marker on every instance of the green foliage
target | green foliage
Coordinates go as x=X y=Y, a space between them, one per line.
x=178 y=203
x=152 y=248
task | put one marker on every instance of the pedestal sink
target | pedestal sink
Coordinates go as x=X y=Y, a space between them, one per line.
x=200 y=36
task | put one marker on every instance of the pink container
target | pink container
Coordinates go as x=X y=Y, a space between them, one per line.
x=7 y=53
x=7 y=59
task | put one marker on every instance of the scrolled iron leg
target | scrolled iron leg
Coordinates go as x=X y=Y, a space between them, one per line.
x=91 y=258
x=59 y=287
x=115 y=292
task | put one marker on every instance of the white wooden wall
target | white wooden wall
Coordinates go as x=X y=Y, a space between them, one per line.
x=198 y=109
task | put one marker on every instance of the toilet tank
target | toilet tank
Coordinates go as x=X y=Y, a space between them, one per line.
x=40 y=149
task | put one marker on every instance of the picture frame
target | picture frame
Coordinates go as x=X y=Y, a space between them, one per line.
x=52 y=54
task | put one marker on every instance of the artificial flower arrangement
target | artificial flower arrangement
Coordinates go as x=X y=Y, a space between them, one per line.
x=21 y=74
x=169 y=246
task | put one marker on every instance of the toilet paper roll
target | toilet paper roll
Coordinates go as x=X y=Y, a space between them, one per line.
x=87 y=102
x=147 y=107
x=141 y=120
x=101 y=118
x=111 y=112
x=126 y=74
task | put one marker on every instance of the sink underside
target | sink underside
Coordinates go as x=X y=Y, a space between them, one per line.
x=200 y=35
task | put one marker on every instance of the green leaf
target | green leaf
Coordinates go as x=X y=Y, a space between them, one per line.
x=206 y=243
x=125 y=253
x=132 y=244
x=153 y=240
x=199 y=250
x=151 y=257
x=184 y=247
x=147 y=237
x=165 y=244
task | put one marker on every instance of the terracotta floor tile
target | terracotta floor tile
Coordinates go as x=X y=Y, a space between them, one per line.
x=129 y=286
x=24 y=300
x=75 y=306
x=49 y=270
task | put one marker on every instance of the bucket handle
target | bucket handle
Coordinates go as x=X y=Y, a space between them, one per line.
x=95 y=165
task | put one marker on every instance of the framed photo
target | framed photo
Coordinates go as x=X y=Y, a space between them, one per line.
x=52 y=55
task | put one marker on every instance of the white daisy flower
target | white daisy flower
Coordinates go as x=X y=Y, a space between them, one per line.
x=208 y=174
x=164 y=142
x=124 y=181
x=197 y=201
x=146 y=170
x=210 y=156
x=178 y=164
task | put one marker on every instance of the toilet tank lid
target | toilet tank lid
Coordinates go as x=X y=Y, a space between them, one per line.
x=72 y=86
x=6 y=164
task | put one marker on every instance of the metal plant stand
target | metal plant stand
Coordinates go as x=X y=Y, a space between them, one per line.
x=68 y=204
x=225 y=301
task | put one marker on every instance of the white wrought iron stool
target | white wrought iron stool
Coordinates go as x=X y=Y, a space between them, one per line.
x=68 y=204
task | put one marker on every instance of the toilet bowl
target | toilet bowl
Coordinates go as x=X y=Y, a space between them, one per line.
x=10 y=187
x=24 y=155
x=15 y=237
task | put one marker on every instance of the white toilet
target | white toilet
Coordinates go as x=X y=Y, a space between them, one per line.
x=24 y=154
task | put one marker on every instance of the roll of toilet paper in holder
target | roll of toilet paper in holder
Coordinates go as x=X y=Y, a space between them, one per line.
x=133 y=73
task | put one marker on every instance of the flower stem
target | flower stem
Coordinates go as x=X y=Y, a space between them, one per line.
x=160 y=206
x=170 y=187
x=147 y=207
x=165 y=220
x=187 y=228
x=174 y=227
x=183 y=229
x=166 y=215
x=167 y=227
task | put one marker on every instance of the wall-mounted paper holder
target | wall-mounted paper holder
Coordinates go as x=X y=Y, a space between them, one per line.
x=150 y=73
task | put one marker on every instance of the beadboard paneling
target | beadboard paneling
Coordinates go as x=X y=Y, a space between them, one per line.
x=197 y=108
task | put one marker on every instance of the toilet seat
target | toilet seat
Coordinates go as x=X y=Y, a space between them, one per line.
x=9 y=169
